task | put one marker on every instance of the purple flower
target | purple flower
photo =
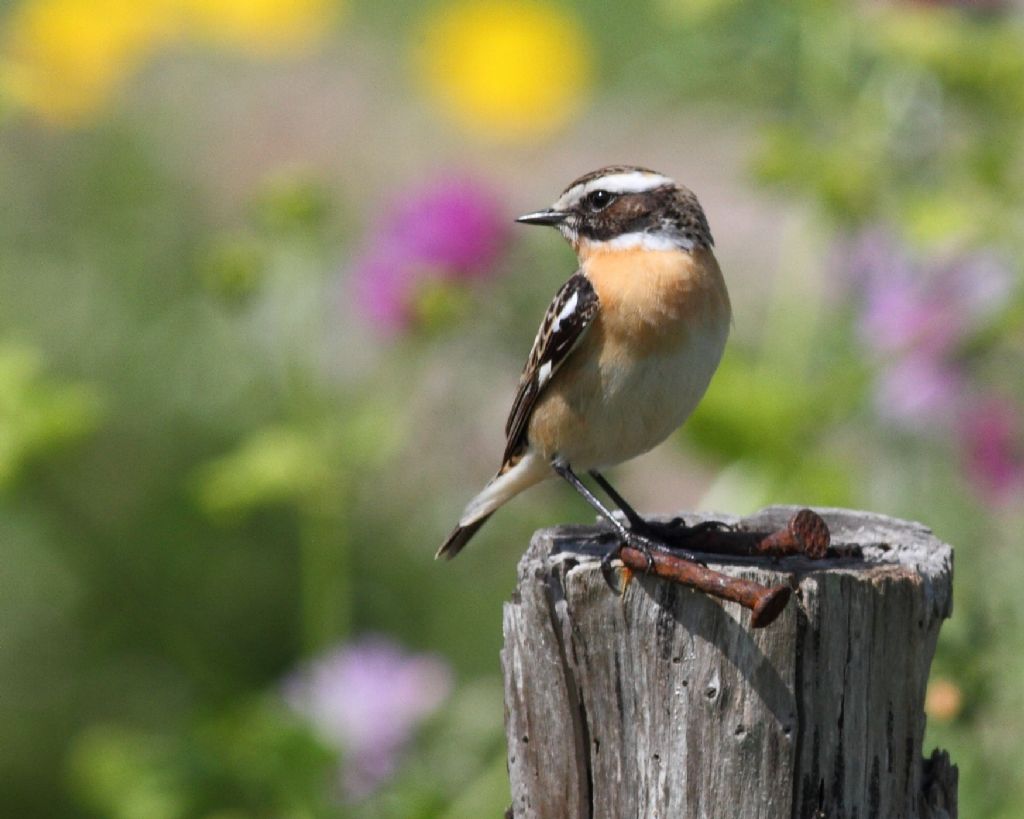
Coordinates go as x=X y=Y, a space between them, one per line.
x=366 y=698
x=993 y=441
x=902 y=308
x=915 y=315
x=449 y=230
x=918 y=388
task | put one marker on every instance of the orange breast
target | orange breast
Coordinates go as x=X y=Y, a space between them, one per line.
x=652 y=299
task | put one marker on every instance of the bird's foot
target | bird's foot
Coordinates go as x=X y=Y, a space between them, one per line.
x=647 y=546
x=633 y=540
x=608 y=570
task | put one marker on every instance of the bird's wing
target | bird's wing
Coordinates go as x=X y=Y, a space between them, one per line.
x=570 y=314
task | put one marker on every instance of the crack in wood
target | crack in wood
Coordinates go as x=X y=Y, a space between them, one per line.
x=562 y=628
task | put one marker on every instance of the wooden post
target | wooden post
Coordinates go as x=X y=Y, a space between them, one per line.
x=663 y=702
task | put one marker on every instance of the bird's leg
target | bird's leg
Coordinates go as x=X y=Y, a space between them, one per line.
x=674 y=530
x=626 y=536
x=636 y=522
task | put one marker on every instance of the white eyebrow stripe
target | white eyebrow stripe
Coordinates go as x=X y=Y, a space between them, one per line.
x=628 y=182
x=631 y=182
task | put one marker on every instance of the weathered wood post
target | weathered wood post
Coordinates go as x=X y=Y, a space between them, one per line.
x=665 y=703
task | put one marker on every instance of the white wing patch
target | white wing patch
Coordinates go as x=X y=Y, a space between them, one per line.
x=565 y=312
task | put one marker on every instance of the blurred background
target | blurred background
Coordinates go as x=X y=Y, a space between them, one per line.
x=263 y=308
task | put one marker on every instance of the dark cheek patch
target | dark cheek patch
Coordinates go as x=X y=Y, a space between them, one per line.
x=633 y=206
x=628 y=214
x=662 y=209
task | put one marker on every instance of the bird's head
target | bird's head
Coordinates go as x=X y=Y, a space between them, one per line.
x=623 y=206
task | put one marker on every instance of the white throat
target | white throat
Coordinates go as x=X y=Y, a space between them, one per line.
x=643 y=241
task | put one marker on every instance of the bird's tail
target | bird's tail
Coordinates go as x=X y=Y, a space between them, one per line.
x=504 y=486
x=458 y=538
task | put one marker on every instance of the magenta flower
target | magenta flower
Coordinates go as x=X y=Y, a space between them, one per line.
x=993 y=441
x=385 y=284
x=366 y=699
x=449 y=230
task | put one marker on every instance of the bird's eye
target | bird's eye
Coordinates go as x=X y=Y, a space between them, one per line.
x=599 y=200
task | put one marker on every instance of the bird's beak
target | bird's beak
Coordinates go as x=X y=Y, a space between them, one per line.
x=543 y=217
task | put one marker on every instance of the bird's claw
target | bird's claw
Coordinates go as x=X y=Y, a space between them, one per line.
x=644 y=546
x=658 y=536
x=634 y=541
x=608 y=570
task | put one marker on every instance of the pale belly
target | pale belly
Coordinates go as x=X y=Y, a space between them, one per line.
x=614 y=407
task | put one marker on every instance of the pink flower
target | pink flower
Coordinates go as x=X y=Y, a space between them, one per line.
x=366 y=698
x=449 y=230
x=993 y=442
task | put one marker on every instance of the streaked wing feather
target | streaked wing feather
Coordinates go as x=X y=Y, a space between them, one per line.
x=569 y=315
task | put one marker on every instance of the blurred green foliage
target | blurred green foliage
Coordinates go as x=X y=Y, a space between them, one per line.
x=36 y=414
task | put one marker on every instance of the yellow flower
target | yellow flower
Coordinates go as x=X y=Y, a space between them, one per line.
x=506 y=70
x=63 y=58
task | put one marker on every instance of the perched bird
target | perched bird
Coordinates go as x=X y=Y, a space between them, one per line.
x=625 y=351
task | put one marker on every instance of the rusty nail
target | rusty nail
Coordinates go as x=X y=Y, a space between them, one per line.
x=805 y=533
x=764 y=602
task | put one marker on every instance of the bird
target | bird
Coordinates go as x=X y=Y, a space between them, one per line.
x=626 y=349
